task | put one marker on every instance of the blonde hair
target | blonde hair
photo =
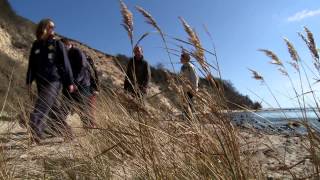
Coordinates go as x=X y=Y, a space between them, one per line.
x=41 y=28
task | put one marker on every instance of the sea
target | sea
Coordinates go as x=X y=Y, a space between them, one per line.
x=279 y=120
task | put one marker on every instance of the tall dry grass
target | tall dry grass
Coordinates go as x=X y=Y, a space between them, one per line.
x=137 y=140
x=303 y=89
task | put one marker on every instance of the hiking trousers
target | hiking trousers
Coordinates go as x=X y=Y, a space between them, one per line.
x=47 y=101
x=81 y=102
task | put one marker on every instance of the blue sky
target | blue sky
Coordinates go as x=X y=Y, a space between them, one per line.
x=238 y=28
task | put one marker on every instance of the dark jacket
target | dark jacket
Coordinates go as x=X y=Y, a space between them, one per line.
x=48 y=62
x=142 y=74
x=80 y=67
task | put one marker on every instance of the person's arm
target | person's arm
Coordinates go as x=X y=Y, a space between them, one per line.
x=96 y=82
x=31 y=70
x=147 y=75
x=193 y=78
x=31 y=66
x=128 y=74
x=79 y=72
x=67 y=71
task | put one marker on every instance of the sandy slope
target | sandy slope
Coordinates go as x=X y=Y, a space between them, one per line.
x=271 y=151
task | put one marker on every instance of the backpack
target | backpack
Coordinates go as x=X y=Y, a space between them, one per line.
x=94 y=79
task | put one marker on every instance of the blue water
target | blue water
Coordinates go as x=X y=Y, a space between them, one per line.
x=284 y=121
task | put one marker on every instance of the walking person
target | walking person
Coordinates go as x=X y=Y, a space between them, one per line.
x=84 y=97
x=189 y=77
x=49 y=66
x=138 y=74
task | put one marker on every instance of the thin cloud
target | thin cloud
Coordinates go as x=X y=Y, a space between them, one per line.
x=303 y=15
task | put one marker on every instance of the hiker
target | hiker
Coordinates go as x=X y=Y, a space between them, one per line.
x=49 y=66
x=189 y=77
x=84 y=97
x=138 y=73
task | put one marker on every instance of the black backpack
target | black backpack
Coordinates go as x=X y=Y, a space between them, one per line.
x=94 y=79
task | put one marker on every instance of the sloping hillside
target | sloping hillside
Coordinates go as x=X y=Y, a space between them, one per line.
x=16 y=35
x=14 y=49
x=134 y=139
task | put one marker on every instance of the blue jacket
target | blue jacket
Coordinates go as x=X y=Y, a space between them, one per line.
x=48 y=62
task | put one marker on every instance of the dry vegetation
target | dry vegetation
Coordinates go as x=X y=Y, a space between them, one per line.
x=151 y=139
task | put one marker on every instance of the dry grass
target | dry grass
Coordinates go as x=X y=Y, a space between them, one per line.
x=137 y=140
x=127 y=20
x=311 y=139
x=132 y=141
x=150 y=20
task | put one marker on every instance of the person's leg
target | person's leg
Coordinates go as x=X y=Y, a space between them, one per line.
x=57 y=125
x=190 y=100
x=86 y=102
x=188 y=106
x=86 y=111
x=47 y=95
x=92 y=109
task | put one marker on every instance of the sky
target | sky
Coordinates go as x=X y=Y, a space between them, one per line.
x=238 y=28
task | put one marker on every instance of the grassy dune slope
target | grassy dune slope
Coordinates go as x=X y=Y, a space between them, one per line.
x=134 y=139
